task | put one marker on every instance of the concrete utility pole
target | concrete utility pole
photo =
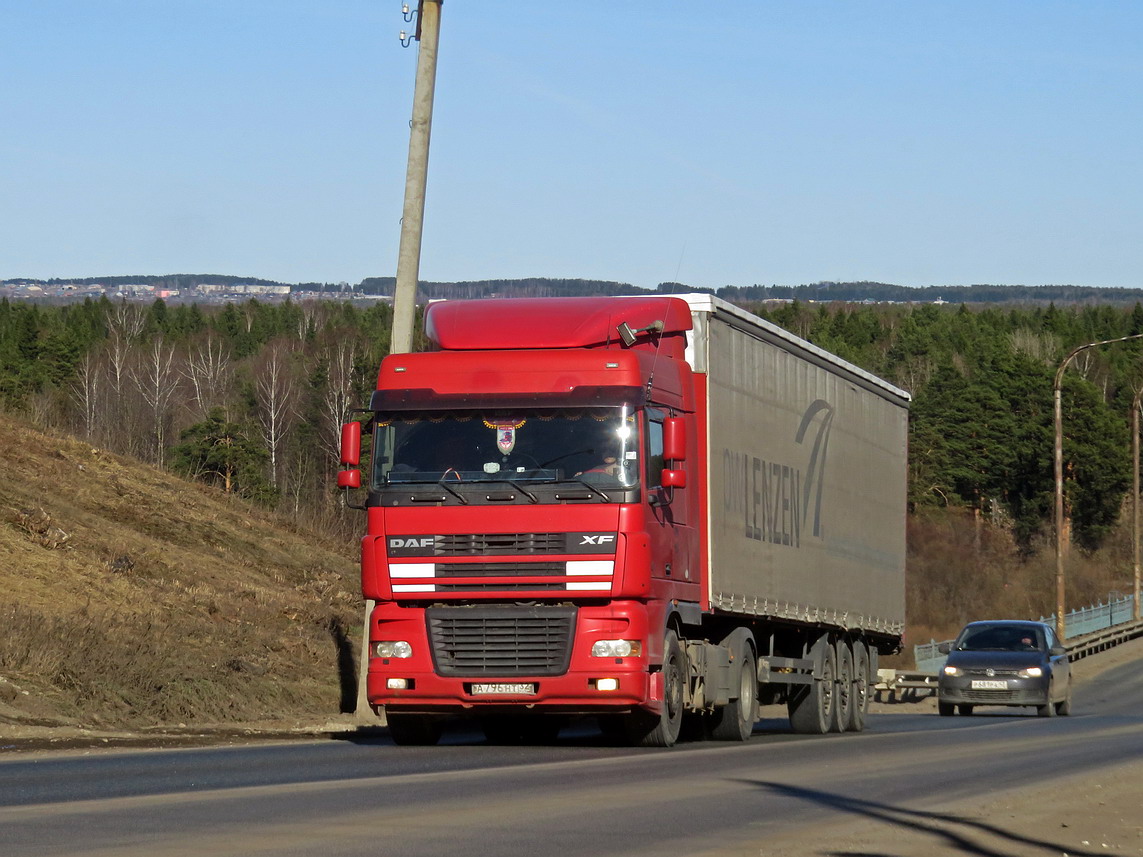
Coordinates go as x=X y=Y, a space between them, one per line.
x=1059 y=462
x=409 y=254
x=416 y=176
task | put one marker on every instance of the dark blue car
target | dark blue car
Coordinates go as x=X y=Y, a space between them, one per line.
x=1005 y=662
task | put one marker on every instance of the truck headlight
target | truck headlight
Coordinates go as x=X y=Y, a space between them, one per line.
x=617 y=648
x=951 y=670
x=1031 y=672
x=392 y=649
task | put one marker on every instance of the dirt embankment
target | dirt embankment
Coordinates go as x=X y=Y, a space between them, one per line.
x=131 y=599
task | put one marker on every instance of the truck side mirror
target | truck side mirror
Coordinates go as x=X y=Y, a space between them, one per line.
x=351 y=444
x=673 y=479
x=351 y=459
x=674 y=439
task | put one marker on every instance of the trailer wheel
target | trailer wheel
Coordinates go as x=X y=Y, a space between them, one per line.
x=859 y=706
x=813 y=707
x=413 y=729
x=663 y=730
x=735 y=722
x=844 y=690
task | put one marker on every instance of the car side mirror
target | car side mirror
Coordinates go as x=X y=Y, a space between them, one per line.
x=1059 y=650
x=944 y=648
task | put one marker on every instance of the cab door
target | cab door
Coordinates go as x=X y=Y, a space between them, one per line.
x=669 y=524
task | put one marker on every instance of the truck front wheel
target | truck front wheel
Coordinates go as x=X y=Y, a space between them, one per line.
x=663 y=730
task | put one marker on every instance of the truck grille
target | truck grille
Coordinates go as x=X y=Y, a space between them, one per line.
x=502 y=569
x=500 y=543
x=501 y=641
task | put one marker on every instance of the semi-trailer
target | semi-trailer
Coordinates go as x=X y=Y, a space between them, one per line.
x=661 y=511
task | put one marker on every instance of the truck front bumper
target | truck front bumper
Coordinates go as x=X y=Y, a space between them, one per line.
x=589 y=684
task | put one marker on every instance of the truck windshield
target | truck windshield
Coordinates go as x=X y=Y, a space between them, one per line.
x=594 y=445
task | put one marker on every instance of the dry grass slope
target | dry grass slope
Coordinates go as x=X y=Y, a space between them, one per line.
x=130 y=598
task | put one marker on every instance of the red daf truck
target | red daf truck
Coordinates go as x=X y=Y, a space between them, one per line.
x=661 y=511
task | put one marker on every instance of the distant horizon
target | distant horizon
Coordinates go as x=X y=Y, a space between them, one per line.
x=333 y=283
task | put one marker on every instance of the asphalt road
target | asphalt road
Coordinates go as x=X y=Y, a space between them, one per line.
x=579 y=797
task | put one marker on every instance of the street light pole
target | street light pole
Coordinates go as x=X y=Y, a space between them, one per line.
x=1135 y=497
x=1059 y=467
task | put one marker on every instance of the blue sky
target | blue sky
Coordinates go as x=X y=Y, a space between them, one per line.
x=642 y=141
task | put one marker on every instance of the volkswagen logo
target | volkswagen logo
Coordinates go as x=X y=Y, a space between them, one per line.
x=990 y=672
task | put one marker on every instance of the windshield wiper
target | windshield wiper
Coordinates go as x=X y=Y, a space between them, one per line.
x=515 y=485
x=458 y=496
x=589 y=487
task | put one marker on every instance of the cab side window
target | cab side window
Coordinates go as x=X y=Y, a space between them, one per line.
x=654 y=454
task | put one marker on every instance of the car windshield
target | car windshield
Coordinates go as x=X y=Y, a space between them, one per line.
x=594 y=445
x=1000 y=638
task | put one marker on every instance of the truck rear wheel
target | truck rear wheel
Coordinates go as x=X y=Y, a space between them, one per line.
x=735 y=722
x=844 y=686
x=859 y=706
x=813 y=707
x=647 y=730
x=413 y=729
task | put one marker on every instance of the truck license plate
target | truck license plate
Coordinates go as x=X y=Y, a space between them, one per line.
x=527 y=689
x=984 y=684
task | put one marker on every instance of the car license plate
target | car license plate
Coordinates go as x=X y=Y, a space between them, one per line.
x=526 y=689
x=985 y=684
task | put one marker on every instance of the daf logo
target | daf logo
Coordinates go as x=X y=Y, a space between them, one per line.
x=423 y=542
x=598 y=540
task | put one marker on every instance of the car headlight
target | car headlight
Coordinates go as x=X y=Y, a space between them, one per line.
x=392 y=649
x=950 y=670
x=617 y=648
x=1031 y=672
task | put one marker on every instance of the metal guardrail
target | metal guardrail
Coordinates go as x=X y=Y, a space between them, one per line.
x=1087 y=620
x=1078 y=625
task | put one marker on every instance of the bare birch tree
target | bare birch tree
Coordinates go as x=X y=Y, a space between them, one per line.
x=156 y=380
x=125 y=324
x=338 y=395
x=85 y=393
x=208 y=370
x=275 y=390
x=309 y=319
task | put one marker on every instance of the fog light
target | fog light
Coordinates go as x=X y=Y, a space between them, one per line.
x=606 y=684
x=392 y=649
x=616 y=649
x=397 y=684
